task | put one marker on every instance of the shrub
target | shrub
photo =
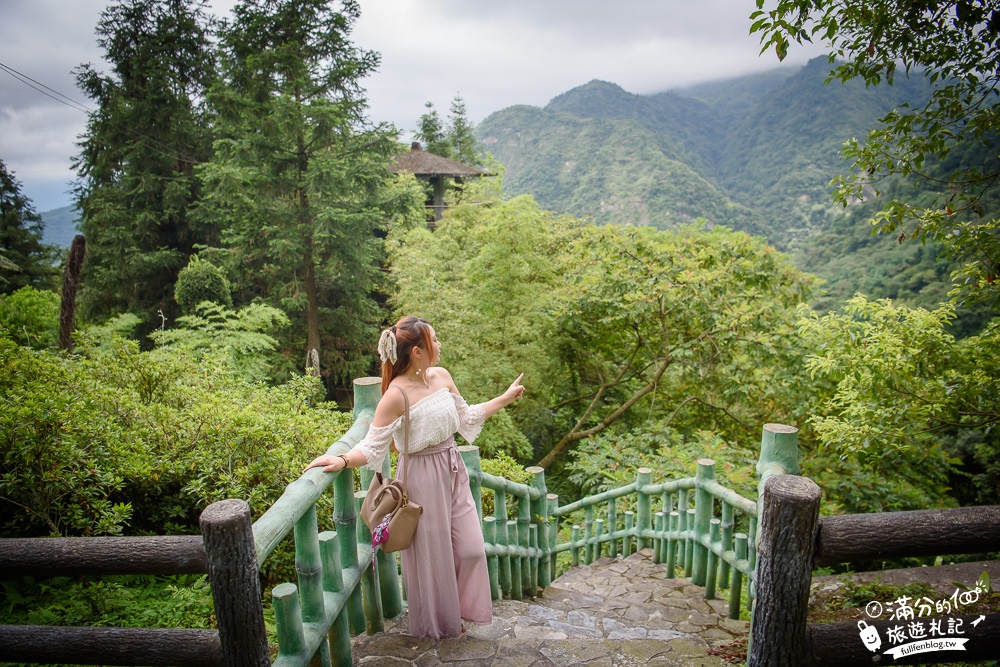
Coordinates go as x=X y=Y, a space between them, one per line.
x=201 y=281
x=30 y=317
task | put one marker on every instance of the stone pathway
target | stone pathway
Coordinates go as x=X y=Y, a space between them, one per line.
x=611 y=613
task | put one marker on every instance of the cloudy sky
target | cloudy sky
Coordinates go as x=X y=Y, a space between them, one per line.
x=494 y=53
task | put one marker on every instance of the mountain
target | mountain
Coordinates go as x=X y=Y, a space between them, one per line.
x=60 y=226
x=755 y=153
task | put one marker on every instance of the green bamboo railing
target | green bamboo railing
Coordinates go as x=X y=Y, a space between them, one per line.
x=339 y=594
x=693 y=531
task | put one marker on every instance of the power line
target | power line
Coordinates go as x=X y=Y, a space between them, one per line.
x=28 y=81
x=173 y=154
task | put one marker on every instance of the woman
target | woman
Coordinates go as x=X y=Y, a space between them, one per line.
x=444 y=568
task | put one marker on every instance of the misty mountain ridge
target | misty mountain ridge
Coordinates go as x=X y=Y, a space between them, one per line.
x=754 y=153
x=60 y=226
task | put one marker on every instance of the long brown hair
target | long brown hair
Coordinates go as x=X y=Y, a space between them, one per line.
x=410 y=332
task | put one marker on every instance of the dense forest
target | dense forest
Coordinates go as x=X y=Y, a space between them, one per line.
x=654 y=266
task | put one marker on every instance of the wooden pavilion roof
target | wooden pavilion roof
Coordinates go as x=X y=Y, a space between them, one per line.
x=421 y=163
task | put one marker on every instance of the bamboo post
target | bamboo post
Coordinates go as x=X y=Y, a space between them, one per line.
x=533 y=560
x=612 y=528
x=682 y=527
x=308 y=567
x=345 y=519
x=674 y=522
x=598 y=537
x=540 y=515
x=588 y=535
x=333 y=581
x=778 y=632
x=751 y=559
x=370 y=595
x=492 y=560
x=551 y=505
x=232 y=573
x=575 y=550
x=288 y=621
x=541 y=518
x=727 y=543
x=471 y=458
x=500 y=514
x=643 y=509
x=736 y=583
x=629 y=533
x=524 y=541
x=658 y=541
x=516 y=581
x=779 y=452
x=715 y=533
x=703 y=505
x=689 y=547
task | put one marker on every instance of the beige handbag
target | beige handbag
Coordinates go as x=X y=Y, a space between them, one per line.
x=387 y=510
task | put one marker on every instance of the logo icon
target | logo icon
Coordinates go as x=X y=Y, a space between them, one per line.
x=869 y=635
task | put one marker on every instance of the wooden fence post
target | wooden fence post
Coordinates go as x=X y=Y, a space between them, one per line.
x=232 y=573
x=788 y=525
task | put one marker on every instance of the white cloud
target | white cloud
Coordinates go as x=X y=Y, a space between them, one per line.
x=494 y=53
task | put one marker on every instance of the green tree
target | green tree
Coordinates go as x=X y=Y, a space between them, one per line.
x=692 y=325
x=299 y=181
x=201 y=281
x=24 y=259
x=432 y=133
x=460 y=134
x=948 y=146
x=137 y=156
x=611 y=326
x=904 y=388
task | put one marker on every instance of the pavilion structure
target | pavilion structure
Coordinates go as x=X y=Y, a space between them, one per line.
x=435 y=169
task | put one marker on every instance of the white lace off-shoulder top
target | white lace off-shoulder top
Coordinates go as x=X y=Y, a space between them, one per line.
x=433 y=419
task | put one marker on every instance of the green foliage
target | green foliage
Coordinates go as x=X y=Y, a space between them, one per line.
x=123 y=441
x=59 y=457
x=484 y=278
x=299 y=181
x=137 y=186
x=903 y=393
x=953 y=45
x=30 y=317
x=609 y=325
x=460 y=134
x=432 y=132
x=201 y=281
x=502 y=465
x=242 y=338
x=610 y=460
x=900 y=377
x=124 y=601
x=24 y=259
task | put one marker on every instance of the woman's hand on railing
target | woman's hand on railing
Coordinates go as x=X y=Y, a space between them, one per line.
x=330 y=463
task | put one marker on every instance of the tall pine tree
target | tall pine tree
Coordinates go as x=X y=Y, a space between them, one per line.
x=300 y=181
x=24 y=259
x=432 y=133
x=136 y=165
x=460 y=135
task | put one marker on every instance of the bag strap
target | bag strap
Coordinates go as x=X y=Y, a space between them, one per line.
x=406 y=433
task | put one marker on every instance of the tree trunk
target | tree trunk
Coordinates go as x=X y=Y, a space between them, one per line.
x=71 y=278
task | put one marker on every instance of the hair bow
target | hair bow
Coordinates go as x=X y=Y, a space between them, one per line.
x=387 y=347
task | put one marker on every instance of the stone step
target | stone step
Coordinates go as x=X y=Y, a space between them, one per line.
x=613 y=612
